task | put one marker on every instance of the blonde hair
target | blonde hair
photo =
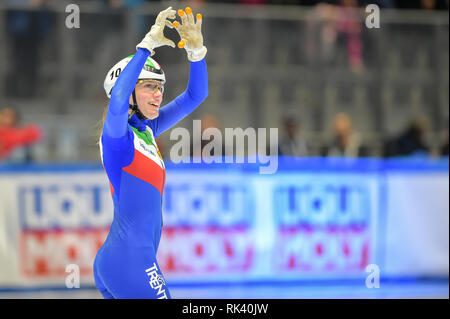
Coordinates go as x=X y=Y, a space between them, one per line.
x=98 y=127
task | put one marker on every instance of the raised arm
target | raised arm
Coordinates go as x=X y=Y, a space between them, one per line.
x=115 y=125
x=195 y=93
x=197 y=89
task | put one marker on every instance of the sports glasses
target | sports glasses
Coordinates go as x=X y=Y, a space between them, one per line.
x=152 y=85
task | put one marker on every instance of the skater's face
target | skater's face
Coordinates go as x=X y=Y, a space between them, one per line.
x=8 y=117
x=149 y=94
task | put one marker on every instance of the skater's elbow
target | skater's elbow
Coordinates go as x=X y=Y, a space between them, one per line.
x=198 y=96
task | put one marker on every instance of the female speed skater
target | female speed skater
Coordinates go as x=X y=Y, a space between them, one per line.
x=125 y=265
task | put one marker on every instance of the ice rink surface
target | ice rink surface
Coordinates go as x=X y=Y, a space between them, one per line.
x=408 y=290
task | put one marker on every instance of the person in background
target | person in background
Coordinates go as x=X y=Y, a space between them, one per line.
x=346 y=142
x=292 y=144
x=12 y=136
x=411 y=141
x=350 y=33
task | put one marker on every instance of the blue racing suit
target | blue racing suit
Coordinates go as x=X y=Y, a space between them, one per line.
x=125 y=265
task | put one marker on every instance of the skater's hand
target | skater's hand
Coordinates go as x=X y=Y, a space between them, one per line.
x=191 y=34
x=155 y=38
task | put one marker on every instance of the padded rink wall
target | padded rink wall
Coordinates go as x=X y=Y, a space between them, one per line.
x=321 y=219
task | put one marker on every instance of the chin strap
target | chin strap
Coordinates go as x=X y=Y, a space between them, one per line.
x=135 y=110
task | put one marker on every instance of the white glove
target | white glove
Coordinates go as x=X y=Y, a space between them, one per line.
x=191 y=35
x=155 y=38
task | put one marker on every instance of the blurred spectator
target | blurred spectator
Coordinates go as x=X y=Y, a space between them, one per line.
x=411 y=141
x=321 y=35
x=333 y=28
x=12 y=136
x=292 y=144
x=346 y=143
x=350 y=30
x=26 y=30
x=140 y=21
x=428 y=4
